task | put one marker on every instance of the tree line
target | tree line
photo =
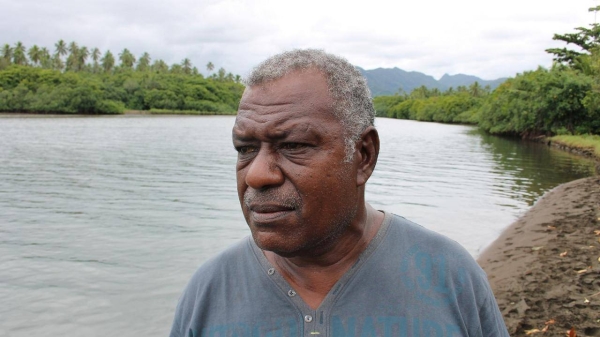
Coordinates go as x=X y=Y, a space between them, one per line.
x=458 y=105
x=72 y=57
x=564 y=99
x=74 y=79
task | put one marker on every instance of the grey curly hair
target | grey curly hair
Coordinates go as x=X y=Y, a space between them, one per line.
x=353 y=105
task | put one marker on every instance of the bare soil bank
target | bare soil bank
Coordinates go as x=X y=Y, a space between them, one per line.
x=545 y=268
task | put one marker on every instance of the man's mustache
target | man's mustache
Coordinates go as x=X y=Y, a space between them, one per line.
x=253 y=197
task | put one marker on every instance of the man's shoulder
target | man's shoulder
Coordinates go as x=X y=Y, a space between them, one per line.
x=218 y=272
x=214 y=284
x=231 y=260
x=414 y=240
x=417 y=272
x=431 y=264
x=406 y=228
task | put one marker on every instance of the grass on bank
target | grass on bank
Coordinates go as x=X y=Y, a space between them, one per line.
x=189 y=112
x=584 y=142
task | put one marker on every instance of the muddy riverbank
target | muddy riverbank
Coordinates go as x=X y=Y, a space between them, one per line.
x=545 y=268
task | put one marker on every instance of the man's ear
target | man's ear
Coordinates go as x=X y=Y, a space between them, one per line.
x=367 y=151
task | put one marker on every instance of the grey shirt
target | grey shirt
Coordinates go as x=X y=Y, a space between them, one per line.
x=409 y=281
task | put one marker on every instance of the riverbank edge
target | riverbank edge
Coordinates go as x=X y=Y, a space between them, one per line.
x=544 y=268
x=591 y=151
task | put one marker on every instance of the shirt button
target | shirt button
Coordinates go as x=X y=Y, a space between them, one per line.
x=291 y=293
x=271 y=271
x=308 y=318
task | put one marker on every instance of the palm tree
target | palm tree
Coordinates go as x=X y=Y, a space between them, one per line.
x=34 y=54
x=61 y=48
x=420 y=93
x=143 y=62
x=475 y=90
x=108 y=61
x=176 y=69
x=19 y=56
x=57 y=63
x=160 y=67
x=82 y=56
x=7 y=52
x=45 y=59
x=95 y=55
x=73 y=58
x=73 y=47
x=210 y=66
x=487 y=90
x=221 y=73
x=186 y=66
x=127 y=59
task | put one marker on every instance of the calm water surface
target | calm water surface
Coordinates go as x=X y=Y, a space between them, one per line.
x=104 y=219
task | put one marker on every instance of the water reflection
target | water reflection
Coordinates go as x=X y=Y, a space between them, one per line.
x=462 y=183
x=532 y=168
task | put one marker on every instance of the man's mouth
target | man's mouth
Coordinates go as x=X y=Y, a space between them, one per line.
x=268 y=212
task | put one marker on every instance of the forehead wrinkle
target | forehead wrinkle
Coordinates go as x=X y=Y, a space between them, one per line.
x=265 y=115
x=270 y=93
x=281 y=130
x=278 y=129
x=262 y=114
x=251 y=106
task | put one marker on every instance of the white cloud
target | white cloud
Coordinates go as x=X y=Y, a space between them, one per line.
x=487 y=39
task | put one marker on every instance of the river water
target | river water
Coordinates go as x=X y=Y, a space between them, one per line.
x=104 y=219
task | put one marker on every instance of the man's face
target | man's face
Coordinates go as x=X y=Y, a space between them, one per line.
x=296 y=191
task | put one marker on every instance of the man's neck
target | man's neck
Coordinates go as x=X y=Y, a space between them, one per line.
x=312 y=277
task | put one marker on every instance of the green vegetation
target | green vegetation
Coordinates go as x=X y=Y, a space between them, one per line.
x=431 y=105
x=582 y=142
x=563 y=100
x=542 y=102
x=35 y=80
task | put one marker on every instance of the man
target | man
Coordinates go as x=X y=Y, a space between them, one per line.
x=322 y=261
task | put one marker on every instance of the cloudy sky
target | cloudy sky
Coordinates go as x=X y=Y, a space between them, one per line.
x=489 y=39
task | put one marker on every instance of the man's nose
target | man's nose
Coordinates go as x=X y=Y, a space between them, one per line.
x=264 y=170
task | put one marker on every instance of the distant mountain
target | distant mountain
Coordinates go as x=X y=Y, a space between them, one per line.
x=448 y=81
x=384 y=81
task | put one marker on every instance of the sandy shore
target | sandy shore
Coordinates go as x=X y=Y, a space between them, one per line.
x=545 y=268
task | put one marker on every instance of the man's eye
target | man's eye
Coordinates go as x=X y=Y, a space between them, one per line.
x=292 y=146
x=245 y=149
